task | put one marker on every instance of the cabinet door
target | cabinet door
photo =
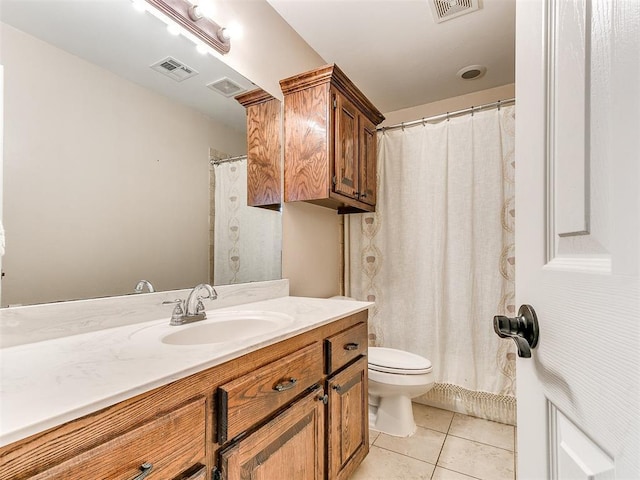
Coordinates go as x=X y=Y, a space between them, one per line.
x=348 y=435
x=290 y=446
x=346 y=147
x=367 y=157
x=263 y=156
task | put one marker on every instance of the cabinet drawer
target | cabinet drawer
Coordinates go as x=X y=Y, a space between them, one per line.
x=171 y=446
x=251 y=398
x=345 y=346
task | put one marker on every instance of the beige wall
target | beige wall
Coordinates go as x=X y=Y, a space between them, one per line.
x=450 y=104
x=312 y=246
x=105 y=182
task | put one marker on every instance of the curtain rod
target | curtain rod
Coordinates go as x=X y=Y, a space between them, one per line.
x=218 y=161
x=448 y=115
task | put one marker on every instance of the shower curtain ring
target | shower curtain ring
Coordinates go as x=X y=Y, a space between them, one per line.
x=499 y=104
x=423 y=122
x=402 y=125
x=472 y=107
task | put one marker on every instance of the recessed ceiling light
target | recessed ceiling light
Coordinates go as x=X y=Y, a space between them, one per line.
x=472 y=72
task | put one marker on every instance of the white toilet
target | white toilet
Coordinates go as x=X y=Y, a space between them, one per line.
x=395 y=377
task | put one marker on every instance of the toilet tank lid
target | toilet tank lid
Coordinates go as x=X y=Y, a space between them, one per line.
x=392 y=358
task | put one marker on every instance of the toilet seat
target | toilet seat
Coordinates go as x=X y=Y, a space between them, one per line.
x=390 y=360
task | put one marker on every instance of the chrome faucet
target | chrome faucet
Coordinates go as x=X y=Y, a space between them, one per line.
x=144 y=283
x=191 y=310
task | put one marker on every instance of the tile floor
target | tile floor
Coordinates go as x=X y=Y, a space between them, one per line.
x=447 y=446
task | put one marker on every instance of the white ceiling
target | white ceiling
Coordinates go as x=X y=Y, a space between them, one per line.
x=111 y=34
x=395 y=52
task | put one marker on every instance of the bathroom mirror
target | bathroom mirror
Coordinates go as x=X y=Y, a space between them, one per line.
x=106 y=161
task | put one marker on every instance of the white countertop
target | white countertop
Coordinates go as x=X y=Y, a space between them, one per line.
x=47 y=383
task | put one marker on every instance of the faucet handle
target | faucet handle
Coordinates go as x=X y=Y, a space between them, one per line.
x=177 y=315
x=177 y=302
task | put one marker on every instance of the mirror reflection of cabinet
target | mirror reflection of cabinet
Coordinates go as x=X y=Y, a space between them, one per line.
x=263 y=149
x=330 y=147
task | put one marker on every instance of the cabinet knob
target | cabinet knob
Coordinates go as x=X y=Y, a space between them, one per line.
x=145 y=469
x=363 y=195
x=323 y=398
x=337 y=387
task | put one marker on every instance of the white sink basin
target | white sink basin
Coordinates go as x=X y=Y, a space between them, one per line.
x=221 y=327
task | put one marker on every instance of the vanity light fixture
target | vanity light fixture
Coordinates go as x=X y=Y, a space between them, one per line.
x=194 y=17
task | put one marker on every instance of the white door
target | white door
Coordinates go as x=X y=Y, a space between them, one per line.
x=578 y=237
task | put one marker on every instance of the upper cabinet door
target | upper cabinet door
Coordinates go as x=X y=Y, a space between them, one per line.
x=346 y=147
x=263 y=149
x=367 y=156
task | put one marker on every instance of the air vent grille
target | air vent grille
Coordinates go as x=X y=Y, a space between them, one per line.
x=174 y=69
x=444 y=10
x=226 y=87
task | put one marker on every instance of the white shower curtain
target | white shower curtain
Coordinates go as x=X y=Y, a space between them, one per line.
x=247 y=240
x=437 y=257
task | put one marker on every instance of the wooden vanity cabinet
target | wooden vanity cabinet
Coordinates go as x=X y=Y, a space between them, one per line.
x=330 y=141
x=296 y=409
x=263 y=149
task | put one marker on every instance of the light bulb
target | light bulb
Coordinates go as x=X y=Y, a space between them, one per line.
x=207 y=8
x=194 y=13
x=223 y=34
x=201 y=49
x=234 y=30
x=139 y=5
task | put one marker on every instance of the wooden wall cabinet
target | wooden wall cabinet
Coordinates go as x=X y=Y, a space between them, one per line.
x=293 y=410
x=330 y=141
x=264 y=180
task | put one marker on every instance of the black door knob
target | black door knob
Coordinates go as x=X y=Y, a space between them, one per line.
x=523 y=329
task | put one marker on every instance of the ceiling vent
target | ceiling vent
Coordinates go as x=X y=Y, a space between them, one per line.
x=175 y=69
x=444 y=10
x=226 y=87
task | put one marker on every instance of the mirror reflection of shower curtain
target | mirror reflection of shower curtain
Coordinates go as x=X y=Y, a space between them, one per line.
x=247 y=239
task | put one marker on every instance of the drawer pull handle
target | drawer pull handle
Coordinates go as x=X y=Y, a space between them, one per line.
x=145 y=468
x=286 y=385
x=351 y=346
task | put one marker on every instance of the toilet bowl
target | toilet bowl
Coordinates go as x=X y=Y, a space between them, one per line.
x=395 y=377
